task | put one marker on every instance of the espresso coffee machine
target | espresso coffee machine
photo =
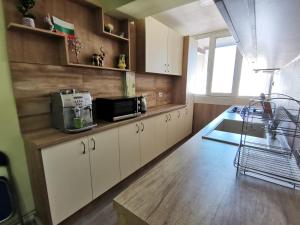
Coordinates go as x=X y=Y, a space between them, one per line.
x=72 y=111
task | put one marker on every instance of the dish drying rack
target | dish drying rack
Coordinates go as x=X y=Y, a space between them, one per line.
x=275 y=156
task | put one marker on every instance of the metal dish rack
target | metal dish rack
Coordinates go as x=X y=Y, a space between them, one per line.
x=275 y=156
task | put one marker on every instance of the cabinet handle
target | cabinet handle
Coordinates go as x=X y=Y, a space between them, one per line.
x=94 y=142
x=138 y=128
x=167 y=117
x=170 y=117
x=143 y=126
x=178 y=114
x=82 y=142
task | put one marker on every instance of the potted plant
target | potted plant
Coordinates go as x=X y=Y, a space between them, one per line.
x=24 y=7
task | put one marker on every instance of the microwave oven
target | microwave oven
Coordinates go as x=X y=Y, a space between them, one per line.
x=116 y=108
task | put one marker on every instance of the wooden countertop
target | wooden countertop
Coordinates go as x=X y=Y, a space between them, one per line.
x=48 y=137
x=197 y=184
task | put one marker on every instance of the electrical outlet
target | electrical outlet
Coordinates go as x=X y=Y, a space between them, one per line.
x=160 y=94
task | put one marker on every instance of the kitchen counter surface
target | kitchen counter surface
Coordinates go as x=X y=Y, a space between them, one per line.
x=197 y=185
x=50 y=136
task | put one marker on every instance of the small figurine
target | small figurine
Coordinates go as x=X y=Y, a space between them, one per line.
x=97 y=59
x=108 y=27
x=122 y=64
x=48 y=22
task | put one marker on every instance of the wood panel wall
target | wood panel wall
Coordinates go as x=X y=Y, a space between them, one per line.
x=37 y=71
x=205 y=113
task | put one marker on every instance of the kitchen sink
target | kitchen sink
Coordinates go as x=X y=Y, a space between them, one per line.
x=229 y=131
x=235 y=126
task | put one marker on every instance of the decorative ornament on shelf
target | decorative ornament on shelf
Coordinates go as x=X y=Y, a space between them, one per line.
x=24 y=7
x=48 y=22
x=109 y=27
x=122 y=35
x=75 y=45
x=97 y=59
x=122 y=63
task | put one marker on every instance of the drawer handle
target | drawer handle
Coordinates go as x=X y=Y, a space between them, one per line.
x=142 y=126
x=170 y=117
x=83 y=147
x=138 y=128
x=94 y=144
x=167 y=117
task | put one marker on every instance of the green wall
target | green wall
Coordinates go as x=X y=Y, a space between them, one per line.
x=10 y=136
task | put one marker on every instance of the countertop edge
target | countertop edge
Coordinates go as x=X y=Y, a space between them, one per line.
x=32 y=137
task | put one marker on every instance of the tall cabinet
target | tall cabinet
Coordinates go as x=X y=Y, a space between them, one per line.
x=159 y=48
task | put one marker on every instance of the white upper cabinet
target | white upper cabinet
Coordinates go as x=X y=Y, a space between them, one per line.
x=156 y=49
x=175 y=51
x=159 y=48
x=267 y=32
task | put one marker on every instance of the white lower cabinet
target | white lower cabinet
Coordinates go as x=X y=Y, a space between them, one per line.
x=68 y=180
x=130 y=157
x=161 y=130
x=148 y=144
x=79 y=171
x=175 y=127
x=104 y=159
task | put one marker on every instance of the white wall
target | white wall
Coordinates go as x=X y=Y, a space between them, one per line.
x=287 y=80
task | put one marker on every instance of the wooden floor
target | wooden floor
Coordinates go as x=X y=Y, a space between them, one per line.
x=101 y=211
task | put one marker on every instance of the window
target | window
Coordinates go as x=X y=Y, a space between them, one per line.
x=253 y=83
x=198 y=81
x=224 y=64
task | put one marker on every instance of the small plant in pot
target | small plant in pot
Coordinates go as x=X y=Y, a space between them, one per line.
x=24 y=7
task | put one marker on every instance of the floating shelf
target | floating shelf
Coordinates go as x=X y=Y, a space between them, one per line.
x=20 y=27
x=97 y=67
x=114 y=36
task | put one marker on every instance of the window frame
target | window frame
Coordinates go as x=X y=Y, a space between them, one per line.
x=210 y=66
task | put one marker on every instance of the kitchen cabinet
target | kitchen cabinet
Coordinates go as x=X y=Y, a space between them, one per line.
x=104 y=159
x=148 y=145
x=174 y=127
x=130 y=158
x=156 y=50
x=78 y=171
x=267 y=32
x=68 y=179
x=175 y=51
x=161 y=130
x=159 y=48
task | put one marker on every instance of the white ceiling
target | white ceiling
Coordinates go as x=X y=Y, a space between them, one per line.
x=142 y=8
x=198 y=17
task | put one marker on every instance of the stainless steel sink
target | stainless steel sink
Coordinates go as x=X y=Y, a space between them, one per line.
x=235 y=126
x=229 y=131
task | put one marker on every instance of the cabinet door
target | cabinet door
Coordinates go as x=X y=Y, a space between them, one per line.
x=173 y=125
x=182 y=124
x=189 y=119
x=148 y=144
x=104 y=158
x=175 y=51
x=156 y=46
x=68 y=178
x=161 y=129
x=130 y=158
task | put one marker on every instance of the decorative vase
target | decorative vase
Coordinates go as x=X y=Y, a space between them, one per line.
x=122 y=64
x=28 y=21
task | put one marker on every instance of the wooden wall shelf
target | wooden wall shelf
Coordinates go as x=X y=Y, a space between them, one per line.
x=114 y=36
x=20 y=27
x=97 y=67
